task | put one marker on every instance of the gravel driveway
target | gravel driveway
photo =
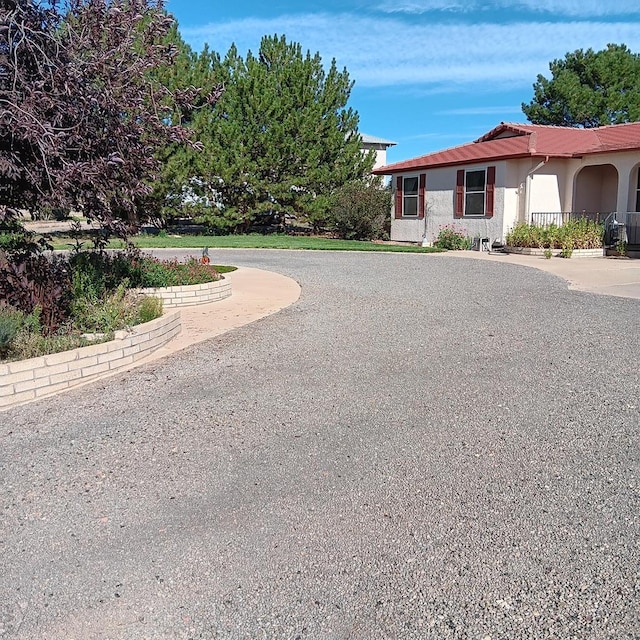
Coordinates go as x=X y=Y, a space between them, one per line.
x=420 y=447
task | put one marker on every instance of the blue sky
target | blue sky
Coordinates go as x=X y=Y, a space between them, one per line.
x=428 y=74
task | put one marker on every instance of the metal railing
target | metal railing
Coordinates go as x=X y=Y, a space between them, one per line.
x=622 y=227
x=546 y=218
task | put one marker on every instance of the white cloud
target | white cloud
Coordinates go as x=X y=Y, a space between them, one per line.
x=432 y=56
x=574 y=8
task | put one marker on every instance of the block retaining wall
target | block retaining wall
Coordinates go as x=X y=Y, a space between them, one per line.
x=35 y=378
x=191 y=294
x=577 y=253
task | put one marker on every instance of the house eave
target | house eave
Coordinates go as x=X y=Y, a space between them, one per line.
x=403 y=168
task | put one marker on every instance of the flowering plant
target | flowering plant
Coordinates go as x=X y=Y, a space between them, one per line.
x=453 y=237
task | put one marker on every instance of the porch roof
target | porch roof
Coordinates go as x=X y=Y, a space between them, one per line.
x=512 y=140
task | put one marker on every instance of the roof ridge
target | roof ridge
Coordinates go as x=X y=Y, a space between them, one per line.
x=424 y=155
x=616 y=124
x=513 y=127
x=529 y=140
x=547 y=126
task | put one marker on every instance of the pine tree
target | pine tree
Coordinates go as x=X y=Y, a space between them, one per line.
x=190 y=74
x=281 y=137
x=588 y=89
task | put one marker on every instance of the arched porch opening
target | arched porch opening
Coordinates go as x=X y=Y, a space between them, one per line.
x=596 y=189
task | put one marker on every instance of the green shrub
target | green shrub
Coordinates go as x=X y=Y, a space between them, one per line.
x=29 y=344
x=575 y=234
x=11 y=321
x=96 y=273
x=149 y=308
x=452 y=238
x=88 y=278
x=116 y=310
x=170 y=273
x=31 y=340
x=151 y=272
x=360 y=211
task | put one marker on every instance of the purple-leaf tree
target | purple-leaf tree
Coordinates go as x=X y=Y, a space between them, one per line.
x=81 y=109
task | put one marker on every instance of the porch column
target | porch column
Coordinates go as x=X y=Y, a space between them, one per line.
x=624 y=185
x=573 y=167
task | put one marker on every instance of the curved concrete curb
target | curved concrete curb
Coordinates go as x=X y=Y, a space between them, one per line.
x=604 y=276
x=26 y=380
x=185 y=296
x=256 y=294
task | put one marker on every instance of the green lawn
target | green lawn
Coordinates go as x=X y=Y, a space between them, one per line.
x=256 y=241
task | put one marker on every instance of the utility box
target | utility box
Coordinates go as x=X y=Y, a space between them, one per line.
x=481 y=244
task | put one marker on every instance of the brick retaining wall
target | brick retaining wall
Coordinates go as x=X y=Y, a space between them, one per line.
x=577 y=253
x=27 y=380
x=191 y=294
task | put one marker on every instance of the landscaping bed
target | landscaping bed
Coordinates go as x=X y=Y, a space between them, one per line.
x=26 y=380
x=48 y=305
x=579 y=238
x=554 y=253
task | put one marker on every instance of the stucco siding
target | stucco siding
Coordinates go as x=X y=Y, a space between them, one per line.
x=440 y=204
x=545 y=192
x=381 y=158
x=407 y=230
x=513 y=191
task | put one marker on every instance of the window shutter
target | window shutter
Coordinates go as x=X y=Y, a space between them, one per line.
x=459 y=194
x=491 y=190
x=399 y=197
x=421 y=194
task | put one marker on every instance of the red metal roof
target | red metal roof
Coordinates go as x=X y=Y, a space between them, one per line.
x=511 y=140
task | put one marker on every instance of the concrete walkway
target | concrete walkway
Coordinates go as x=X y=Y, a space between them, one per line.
x=608 y=276
x=256 y=293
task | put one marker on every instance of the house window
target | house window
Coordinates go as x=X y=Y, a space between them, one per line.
x=410 y=196
x=638 y=192
x=475 y=192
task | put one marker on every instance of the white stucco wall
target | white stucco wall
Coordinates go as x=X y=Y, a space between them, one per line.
x=380 y=151
x=545 y=192
x=440 y=202
x=625 y=163
x=513 y=194
x=547 y=184
x=524 y=186
x=381 y=158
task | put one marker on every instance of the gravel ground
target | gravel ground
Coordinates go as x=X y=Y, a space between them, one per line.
x=420 y=447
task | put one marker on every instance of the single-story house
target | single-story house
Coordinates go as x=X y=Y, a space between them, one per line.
x=515 y=172
x=379 y=145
